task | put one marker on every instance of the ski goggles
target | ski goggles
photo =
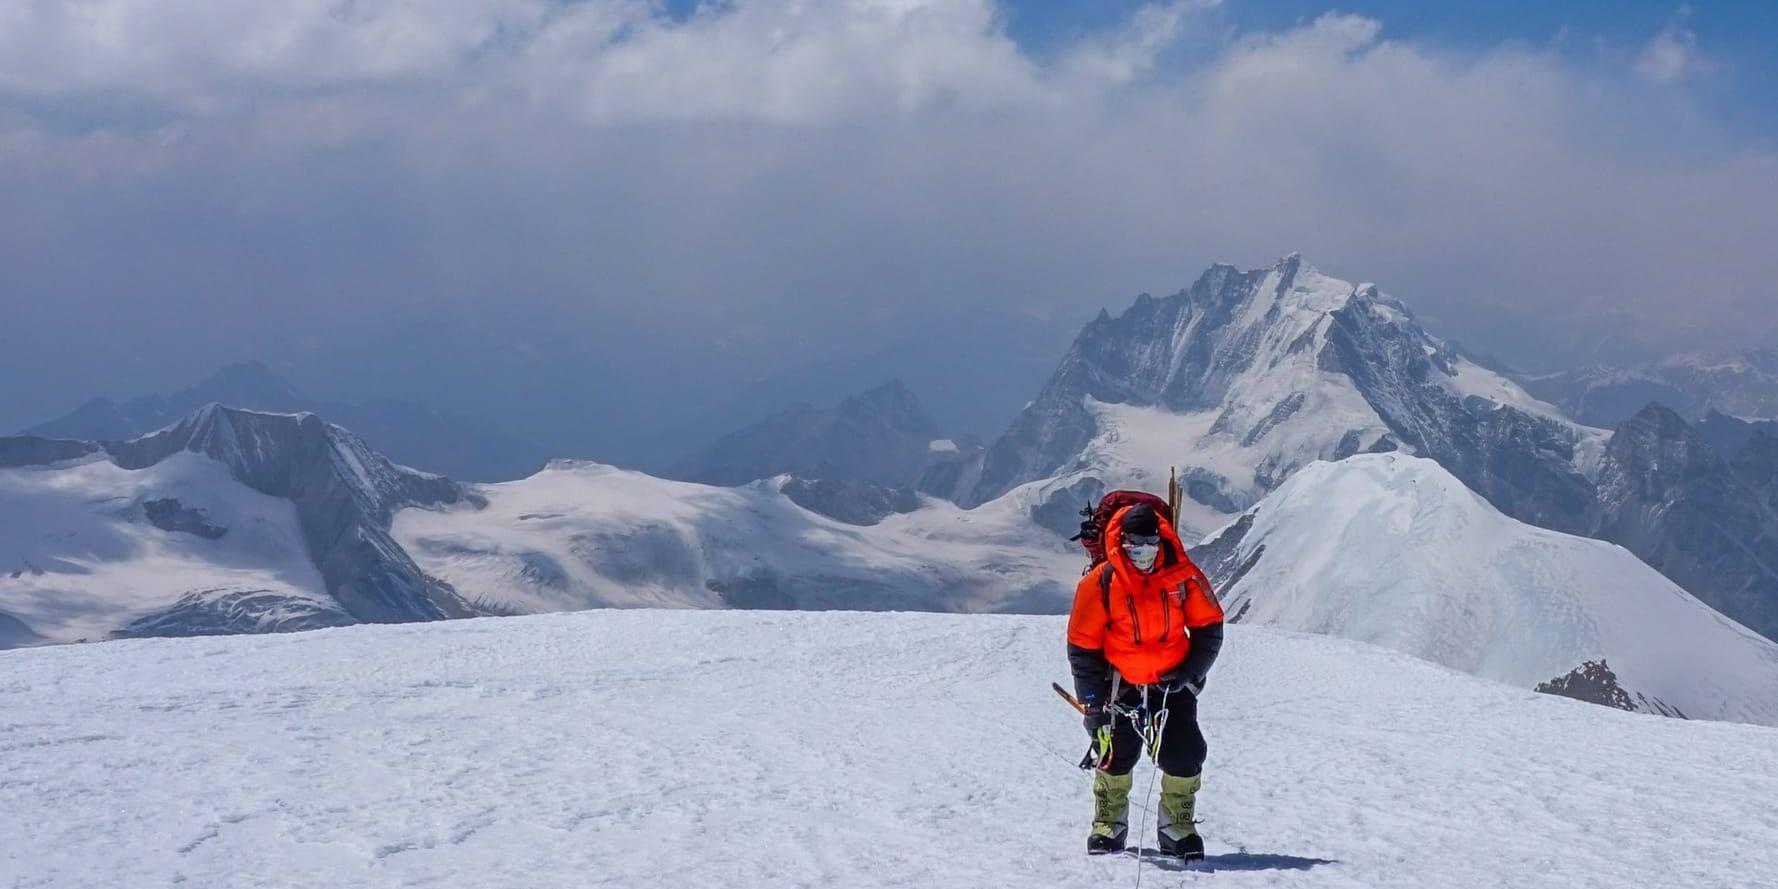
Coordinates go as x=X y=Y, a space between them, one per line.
x=1142 y=540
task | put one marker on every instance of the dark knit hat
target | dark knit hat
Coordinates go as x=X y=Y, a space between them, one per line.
x=1140 y=520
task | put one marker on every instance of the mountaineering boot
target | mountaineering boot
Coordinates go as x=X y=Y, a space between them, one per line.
x=1111 y=809
x=1177 y=833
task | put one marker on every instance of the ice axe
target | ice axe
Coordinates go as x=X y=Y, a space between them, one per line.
x=1077 y=705
x=1099 y=754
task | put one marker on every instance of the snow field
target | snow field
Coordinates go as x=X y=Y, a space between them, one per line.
x=736 y=749
x=582 y=535
x=78 y=560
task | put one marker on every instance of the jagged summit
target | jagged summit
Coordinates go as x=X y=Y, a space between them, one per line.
x=261 y=447
x=894 y=404
x=1246 y=376
x=1707 y=518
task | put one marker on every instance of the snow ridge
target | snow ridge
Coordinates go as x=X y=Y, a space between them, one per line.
x=1394 y=551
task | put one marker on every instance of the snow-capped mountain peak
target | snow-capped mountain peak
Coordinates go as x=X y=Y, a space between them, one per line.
x=227 y=520
x=1245 y=377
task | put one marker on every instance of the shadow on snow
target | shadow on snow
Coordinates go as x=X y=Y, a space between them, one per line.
x=1231 y=861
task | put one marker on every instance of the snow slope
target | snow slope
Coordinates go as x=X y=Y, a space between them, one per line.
x=730 y=749
x=80 y=557
x=1393 y=550
x=584 y=535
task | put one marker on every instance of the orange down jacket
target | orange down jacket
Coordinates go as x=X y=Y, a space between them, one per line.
x=1142 y=622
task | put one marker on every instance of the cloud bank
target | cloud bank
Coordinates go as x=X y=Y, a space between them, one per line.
x=613 y=207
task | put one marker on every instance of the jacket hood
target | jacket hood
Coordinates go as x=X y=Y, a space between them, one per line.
x=1172 y=551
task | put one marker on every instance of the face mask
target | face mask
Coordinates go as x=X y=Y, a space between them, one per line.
x=1142 y=555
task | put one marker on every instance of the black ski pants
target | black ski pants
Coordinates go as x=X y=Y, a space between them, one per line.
x=1182 y=746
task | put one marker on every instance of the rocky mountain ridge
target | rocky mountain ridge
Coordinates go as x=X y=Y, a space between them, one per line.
x=341 y=493
x=1245 y=377
x=1743 y=384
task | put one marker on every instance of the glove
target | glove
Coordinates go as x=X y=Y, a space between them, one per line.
x=1178 y=681
x=1096 y=717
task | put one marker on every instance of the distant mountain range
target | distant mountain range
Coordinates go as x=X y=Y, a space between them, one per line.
x=1244 y=378
x=1742 y=384
x=858 y=461
x=883 y=436
x=235 y=521
x=1327 y=444
x=410 y=433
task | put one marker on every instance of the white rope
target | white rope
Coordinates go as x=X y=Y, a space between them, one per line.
x=1156 y=725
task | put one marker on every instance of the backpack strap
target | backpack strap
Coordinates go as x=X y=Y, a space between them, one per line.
x=1105 y=589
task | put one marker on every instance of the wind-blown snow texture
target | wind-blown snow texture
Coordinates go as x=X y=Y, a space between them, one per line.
x=728 y=749
x=1393 y=550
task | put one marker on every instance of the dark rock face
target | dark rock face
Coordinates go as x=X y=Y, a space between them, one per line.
x=345 y=495
x=1219 y=557
x=226 y=612
x=1708 y=523
x=410 y=433
x=1728 y=435
x=855 y=503
x=169 y=514
x=1522 y=463
x=1593 y=682
x=881 y=437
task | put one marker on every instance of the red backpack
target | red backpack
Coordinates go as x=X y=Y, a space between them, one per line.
x=1092 y=531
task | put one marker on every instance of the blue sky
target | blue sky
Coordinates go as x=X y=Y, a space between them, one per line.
x=1740 y=38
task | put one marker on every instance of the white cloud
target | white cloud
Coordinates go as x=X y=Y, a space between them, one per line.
x=1133 y=50
x=197 y=53
x=1672 y=55
x=785 y=61
x=831 y=172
